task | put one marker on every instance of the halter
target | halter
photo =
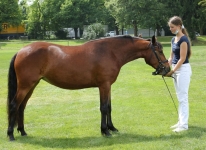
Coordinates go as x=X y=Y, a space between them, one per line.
x=161 y=63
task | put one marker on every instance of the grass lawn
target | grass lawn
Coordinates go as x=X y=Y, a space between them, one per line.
x=142 y=110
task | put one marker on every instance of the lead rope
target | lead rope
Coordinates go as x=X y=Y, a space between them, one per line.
x=170 y=93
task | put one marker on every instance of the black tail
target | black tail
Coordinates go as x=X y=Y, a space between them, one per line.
x=12 y=85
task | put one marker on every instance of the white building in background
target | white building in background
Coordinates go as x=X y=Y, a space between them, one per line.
x=71 y=33
x=143 y=32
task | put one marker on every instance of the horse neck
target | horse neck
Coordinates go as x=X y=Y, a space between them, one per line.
x=129 y=51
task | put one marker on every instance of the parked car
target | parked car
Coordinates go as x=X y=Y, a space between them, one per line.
x=110 y=33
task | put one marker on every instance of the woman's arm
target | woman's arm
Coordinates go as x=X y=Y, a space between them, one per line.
x=171 y=56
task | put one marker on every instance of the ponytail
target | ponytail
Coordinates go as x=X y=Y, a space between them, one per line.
x=184 y=31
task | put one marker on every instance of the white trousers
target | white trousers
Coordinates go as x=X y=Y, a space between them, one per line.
x=181 y=83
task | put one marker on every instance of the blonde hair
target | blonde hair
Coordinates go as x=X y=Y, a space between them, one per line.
x=178 y=21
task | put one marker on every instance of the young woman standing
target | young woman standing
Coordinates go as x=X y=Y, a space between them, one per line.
x=181 y=70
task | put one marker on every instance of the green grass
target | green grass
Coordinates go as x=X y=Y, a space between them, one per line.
x=142 y=111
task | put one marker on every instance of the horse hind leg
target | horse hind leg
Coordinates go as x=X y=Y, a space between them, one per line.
x=21 y=113
x=15 y=112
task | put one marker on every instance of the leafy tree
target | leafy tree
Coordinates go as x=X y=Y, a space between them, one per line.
x=77 y=13
x=188 y=10
x=112 y=8
x=136 y=13
x=23 y=9
x=9 y=12
x=94 y=31
x=34 y=27
x=51 y=14
x=54 y=15
x=201 y=21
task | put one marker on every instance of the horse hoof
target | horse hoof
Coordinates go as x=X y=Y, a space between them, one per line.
x=23 y=133
x=11 y=138
x=106 y=133
x=113 y=129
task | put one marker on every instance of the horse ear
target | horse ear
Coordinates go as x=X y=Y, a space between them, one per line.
x=153 y=40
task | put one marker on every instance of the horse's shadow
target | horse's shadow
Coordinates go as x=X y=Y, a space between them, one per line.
x=118 y=138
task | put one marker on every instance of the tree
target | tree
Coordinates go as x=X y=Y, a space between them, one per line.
x=77 y=13
x=202 y=16
x=203 y=4
x=188 y=10
x=34 y=27
x=136 y=13
x=51 y=14
x=94 y=31
x=10 y=12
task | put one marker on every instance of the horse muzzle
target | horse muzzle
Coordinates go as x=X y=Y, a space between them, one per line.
x=161 y=71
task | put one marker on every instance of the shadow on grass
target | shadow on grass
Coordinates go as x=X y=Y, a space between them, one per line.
x=117 y=138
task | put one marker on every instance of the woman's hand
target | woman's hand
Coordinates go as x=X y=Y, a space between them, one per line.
x=169 y=74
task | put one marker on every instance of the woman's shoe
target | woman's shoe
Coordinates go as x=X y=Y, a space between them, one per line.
x=174 y=126
x=179 y=129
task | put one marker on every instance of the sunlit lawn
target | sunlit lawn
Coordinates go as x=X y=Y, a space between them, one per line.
x=142 y=110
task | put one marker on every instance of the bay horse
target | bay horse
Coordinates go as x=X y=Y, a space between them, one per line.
x=96 y=63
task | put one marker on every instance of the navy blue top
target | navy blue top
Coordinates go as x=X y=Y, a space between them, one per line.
x=176 y=49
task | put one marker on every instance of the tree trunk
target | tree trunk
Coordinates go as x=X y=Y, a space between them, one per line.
x=201 y=31
x=135 y=28
x=75 y=33
x=81 y=32
x=117 y=30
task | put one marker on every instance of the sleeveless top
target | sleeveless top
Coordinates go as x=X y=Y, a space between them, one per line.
x=176 y=49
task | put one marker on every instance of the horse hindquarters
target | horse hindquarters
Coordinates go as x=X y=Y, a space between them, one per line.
x=18 y=95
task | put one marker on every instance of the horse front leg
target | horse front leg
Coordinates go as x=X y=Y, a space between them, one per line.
x=110 y=125
x=105 y=108
x=104 y=128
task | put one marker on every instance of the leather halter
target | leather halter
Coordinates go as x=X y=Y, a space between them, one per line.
x=161 y=66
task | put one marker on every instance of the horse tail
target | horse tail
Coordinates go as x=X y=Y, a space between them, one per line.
x=12 y=86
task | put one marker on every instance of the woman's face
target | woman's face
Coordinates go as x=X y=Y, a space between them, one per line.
x=174 y=28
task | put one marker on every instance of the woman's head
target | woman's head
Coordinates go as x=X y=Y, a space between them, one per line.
x=175 y=23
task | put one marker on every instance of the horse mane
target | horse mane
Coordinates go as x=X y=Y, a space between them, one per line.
x=123 y=37
x=117 y=37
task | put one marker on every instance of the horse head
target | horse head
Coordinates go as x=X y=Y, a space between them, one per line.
x=156 y=58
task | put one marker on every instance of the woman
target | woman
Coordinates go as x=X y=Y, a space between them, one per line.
x=181 y=70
